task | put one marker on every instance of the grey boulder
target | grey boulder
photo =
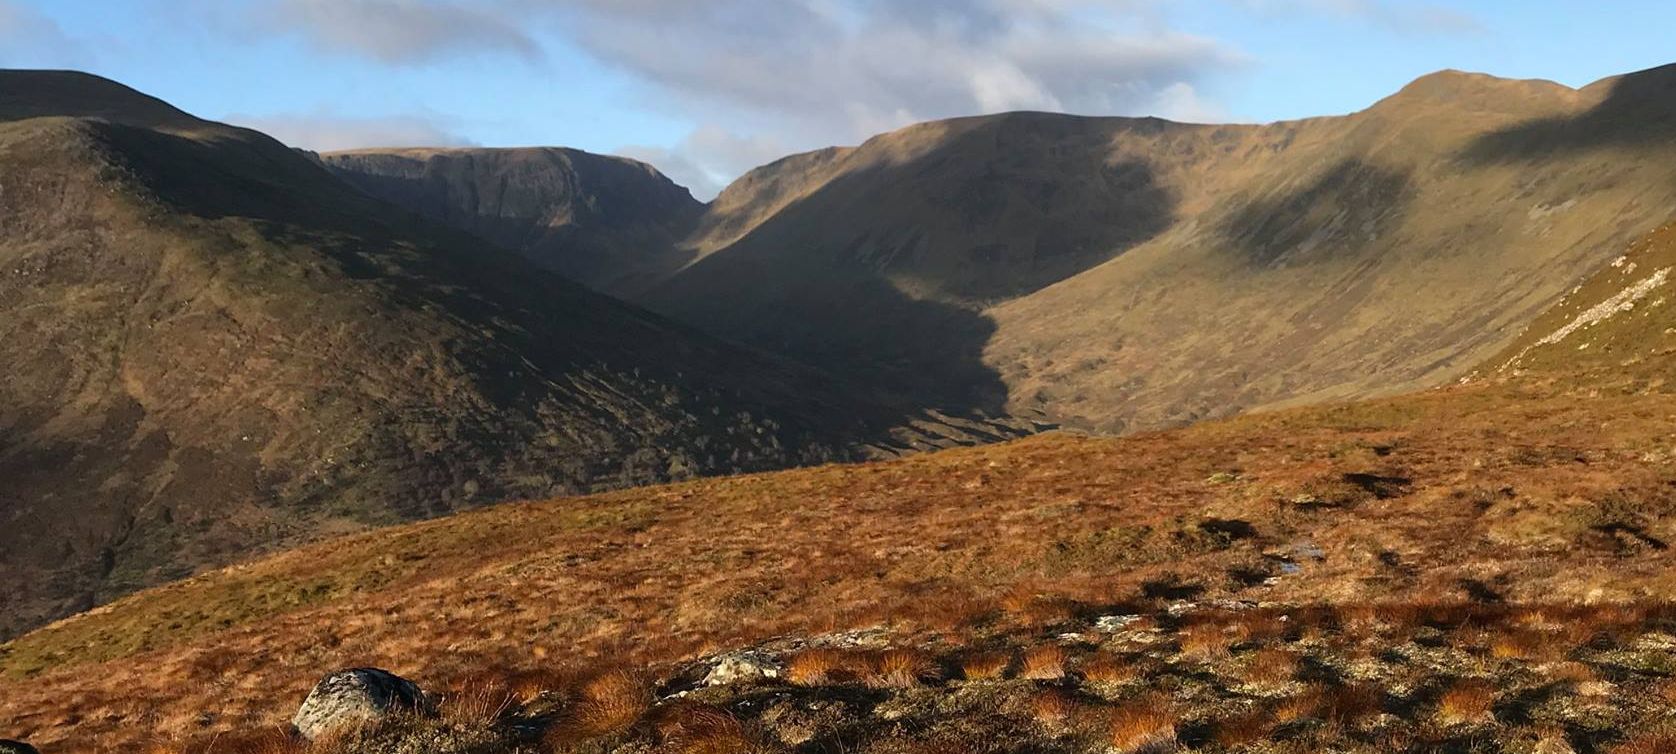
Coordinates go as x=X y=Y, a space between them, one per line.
x=16 y=747
x=358 y=697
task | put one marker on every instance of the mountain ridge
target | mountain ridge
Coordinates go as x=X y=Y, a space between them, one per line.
x=217 y=347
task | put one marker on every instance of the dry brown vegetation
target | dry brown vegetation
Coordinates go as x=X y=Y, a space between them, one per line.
x=1481 y=563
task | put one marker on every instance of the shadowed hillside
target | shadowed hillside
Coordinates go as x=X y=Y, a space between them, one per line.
x=213 y=345
x=607 y=222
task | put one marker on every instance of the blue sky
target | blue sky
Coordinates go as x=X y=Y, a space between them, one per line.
x=705 y=89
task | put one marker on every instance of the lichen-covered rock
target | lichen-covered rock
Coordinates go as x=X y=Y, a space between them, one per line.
x=741 y=667
x=16 y=747
x=357 y=697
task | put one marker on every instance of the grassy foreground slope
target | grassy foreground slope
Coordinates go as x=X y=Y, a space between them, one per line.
x=1475 y=568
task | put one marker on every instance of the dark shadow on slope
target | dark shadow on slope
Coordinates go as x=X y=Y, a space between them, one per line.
x=824 y=280
x=1639 y=110
x=622 y=229
x=440 y=373
x=1352 y=198
x=539 y=329
x=1049 y=175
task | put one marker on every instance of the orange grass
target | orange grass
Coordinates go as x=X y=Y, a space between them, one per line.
x=1043 y=663
x=588 y=579
x=1143 y=727
x=1466 y=701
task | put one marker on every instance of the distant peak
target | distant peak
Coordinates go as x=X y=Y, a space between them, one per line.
x=1451 y=83
x=1470 y=90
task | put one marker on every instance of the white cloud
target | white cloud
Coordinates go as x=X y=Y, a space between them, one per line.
x=326 y=131
x=820 y=72
x=838 y=66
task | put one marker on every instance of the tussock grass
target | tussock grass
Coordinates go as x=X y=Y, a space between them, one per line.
x=1145 y=726
x=1043 y=663
x=903 y=668
x=607 y=703
x=1052 y=707
x=1103 y=669
x=984 y=666
x=1271 y=667
x=1466 y=701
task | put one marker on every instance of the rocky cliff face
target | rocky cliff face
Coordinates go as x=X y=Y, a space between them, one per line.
x=609 y=223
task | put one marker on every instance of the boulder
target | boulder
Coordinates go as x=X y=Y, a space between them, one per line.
x=357 y=697
x=16 y=747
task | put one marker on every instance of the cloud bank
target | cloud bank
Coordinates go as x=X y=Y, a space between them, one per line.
x=761 y=75
x=813 y=72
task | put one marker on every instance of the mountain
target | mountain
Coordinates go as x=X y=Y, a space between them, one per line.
x=1481 y=564
x=214 y=346
x=610 y=223
x=1488 y=561
x=1121 y=274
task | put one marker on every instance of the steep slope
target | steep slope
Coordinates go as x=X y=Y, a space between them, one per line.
x=1617 y=328
x=607 y=222
x=1120 y=274
x=213 y=345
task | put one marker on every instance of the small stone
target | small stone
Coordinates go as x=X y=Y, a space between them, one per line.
x=354 y=698
x=1114 y=623
x=16 y=747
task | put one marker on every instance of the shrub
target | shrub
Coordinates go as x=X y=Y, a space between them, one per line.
x=692 y=728
x=1204 y=641
x=1527 y=644
x=1656 y=742
x=816 y=667
x=1242 y=730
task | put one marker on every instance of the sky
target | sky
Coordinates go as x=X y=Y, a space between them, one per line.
x=707 y=89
